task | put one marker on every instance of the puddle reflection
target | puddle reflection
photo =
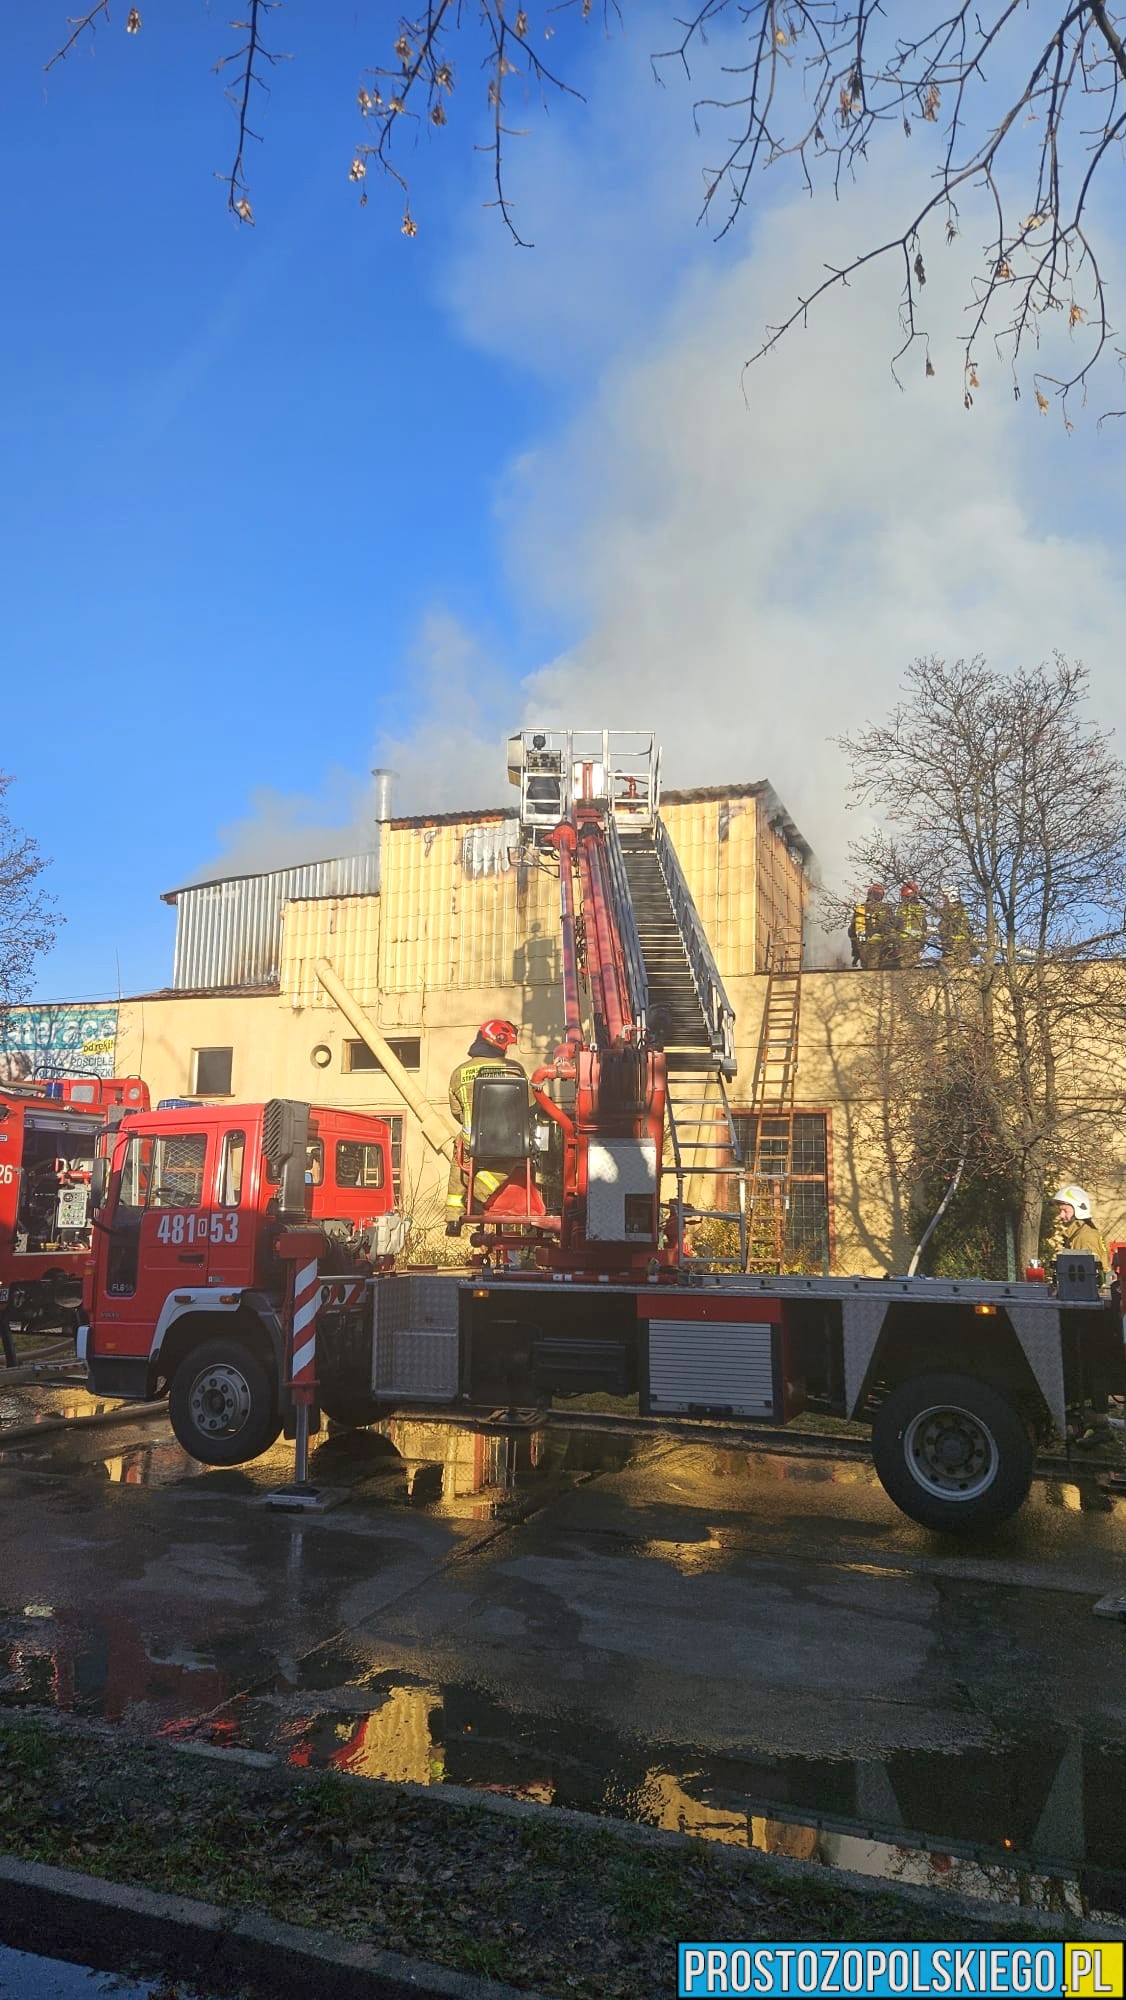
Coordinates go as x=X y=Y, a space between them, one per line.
x=1036 y=1821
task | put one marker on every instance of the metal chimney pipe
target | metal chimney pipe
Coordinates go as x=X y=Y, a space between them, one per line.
x=384 y=780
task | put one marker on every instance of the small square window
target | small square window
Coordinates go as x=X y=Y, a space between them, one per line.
x=408 y=1048
x=212 y=1072
x=639 y=1216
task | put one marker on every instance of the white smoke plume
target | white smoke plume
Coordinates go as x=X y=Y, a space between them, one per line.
x=281 y=829
x=754 y=558
x=750 y=560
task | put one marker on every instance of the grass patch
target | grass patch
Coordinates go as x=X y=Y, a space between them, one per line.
x=580 y=1913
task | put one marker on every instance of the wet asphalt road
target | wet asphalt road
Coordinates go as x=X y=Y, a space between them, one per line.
x=745 y=1644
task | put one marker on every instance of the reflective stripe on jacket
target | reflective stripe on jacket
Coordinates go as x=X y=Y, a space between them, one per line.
x=911 y=920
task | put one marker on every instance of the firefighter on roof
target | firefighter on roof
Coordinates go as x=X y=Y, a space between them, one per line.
x=910 y=926
x=868 y=929
x=955 y=938
x=488 y=1056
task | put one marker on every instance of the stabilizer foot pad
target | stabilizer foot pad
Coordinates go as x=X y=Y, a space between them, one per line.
x=307 y=1499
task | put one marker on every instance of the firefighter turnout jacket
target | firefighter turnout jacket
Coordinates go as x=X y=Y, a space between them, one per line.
x=954 y=935
x=910 y=930
x=486 y=1179
x=1082 y=1237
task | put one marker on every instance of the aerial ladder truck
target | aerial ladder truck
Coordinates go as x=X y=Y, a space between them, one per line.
x=581 y=1279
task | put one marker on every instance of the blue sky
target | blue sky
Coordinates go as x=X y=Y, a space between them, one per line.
x=237 y=463
x=281 y=502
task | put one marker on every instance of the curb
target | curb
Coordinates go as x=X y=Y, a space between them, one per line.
x=633 y=1833
x=86 y=1918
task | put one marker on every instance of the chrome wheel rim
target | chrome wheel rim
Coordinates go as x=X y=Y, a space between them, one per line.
x=219 y=1402
x=951 y=1452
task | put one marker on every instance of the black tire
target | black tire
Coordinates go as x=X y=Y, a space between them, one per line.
x=952 y=1452
x=222 y=1403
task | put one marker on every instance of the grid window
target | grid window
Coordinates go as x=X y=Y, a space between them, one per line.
x=164 y=1172
x=408 y=1049
x=211 y=1072
x=807 y=1219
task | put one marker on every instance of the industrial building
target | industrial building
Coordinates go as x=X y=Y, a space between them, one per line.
x=446 y=920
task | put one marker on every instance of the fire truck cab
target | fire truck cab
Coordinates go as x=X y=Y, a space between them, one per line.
x=50 y=1134
x=184 y=1290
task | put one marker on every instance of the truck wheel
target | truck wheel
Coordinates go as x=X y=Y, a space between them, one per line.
x=952 y=1452
x=222 y=1404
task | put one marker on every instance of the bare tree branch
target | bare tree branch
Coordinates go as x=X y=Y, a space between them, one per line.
x=824 y=77
x=1026 y=98
x=28 y=918
x=426 y=71
x=249 y=59
x=79 y=25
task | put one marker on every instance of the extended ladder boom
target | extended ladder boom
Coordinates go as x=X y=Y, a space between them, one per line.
x=651 y=983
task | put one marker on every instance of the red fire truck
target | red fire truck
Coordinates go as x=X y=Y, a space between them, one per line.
x=49 y=1138
x=185 y=1291
x=958 y=1379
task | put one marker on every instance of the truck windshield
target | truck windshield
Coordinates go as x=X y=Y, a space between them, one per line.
x=163 y=1172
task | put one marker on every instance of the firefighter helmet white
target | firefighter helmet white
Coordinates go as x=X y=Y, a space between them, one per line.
x=1076 y=1198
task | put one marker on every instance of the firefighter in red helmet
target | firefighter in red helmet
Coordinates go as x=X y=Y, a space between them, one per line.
x=488 y=1056
x=869 y=928
x=910 y=926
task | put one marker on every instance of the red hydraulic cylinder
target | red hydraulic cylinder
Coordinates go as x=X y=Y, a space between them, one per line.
x=605 y=964
x=564 y=842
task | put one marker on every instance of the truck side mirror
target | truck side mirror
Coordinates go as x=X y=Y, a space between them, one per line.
x=99 y=1181
x=285 y=1136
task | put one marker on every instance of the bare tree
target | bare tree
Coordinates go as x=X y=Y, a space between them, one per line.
x=411 y=81
x=1006 y=785
x=28 y=920
x=1026 y=102
x=1023 y=100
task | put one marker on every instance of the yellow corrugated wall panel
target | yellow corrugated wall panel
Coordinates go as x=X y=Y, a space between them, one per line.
x=343 y=929
x=716 y=843
x=458 y=906
x=783 y=889
x=734 y=936
x=692 y=830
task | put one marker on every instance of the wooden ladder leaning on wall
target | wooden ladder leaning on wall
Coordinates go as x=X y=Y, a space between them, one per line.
x=770 y=1169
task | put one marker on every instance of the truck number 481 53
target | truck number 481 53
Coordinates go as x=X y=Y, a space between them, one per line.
x=194 y=1228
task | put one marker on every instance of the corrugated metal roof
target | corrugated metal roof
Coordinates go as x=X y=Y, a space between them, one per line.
x=694 y=794
x=339 y=875
x=228 y=932
x=457 y=818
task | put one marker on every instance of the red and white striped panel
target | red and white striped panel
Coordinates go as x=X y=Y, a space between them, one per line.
x=306 y=1305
